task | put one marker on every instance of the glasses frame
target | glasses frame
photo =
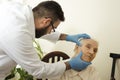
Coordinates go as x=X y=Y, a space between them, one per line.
x=53 y=28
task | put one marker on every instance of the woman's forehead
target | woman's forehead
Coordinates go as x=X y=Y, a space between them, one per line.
x=90 y=42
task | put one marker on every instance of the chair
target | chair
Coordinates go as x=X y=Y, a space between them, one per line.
x=115 y=57
x=54 y=56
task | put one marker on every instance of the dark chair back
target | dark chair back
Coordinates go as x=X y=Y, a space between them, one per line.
x=54 y=56
x=115 y=56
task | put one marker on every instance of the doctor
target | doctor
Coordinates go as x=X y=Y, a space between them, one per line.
x=19 y=25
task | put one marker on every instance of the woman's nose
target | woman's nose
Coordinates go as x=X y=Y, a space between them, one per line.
x=91 y=51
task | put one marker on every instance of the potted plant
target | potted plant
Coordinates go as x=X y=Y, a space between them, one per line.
x=20 y=72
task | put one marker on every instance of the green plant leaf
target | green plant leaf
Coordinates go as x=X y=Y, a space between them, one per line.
x=10 y=76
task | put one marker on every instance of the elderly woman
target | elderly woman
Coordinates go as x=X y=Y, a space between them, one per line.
x=88 y=49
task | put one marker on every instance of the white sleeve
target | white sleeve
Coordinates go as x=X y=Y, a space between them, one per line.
x=17 y=42
x=53 y=37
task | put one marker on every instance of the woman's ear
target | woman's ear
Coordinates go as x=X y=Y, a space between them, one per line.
x=75 y=49
x=77 y=46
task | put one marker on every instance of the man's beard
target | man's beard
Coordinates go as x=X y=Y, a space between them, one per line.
x=41 y=32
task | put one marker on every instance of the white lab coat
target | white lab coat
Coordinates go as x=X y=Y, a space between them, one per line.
x=17 y=33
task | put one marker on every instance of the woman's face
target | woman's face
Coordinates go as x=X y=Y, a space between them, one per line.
x=89 y=49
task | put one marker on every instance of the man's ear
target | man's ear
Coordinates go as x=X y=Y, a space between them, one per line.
x=47 y=21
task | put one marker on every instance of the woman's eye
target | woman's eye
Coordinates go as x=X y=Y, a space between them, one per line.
x=95 y=50
x=88 y=46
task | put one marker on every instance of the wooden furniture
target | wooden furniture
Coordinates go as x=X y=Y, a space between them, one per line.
x=115 y=56
x=54 y=56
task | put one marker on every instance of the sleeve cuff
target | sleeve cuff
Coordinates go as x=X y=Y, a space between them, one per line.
x=53 y=37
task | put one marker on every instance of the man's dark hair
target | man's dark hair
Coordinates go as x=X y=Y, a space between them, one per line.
x=49 y=9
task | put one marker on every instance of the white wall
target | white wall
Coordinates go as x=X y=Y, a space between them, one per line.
x=98 y=18
x=101 y=20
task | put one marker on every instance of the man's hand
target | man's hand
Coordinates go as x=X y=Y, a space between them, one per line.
x=75 y=38
x=77 y=63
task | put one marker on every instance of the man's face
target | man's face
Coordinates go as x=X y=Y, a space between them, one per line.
x=44 y=26
x=89 y=49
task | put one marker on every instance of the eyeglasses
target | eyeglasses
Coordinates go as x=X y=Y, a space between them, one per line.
x=53 y=28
